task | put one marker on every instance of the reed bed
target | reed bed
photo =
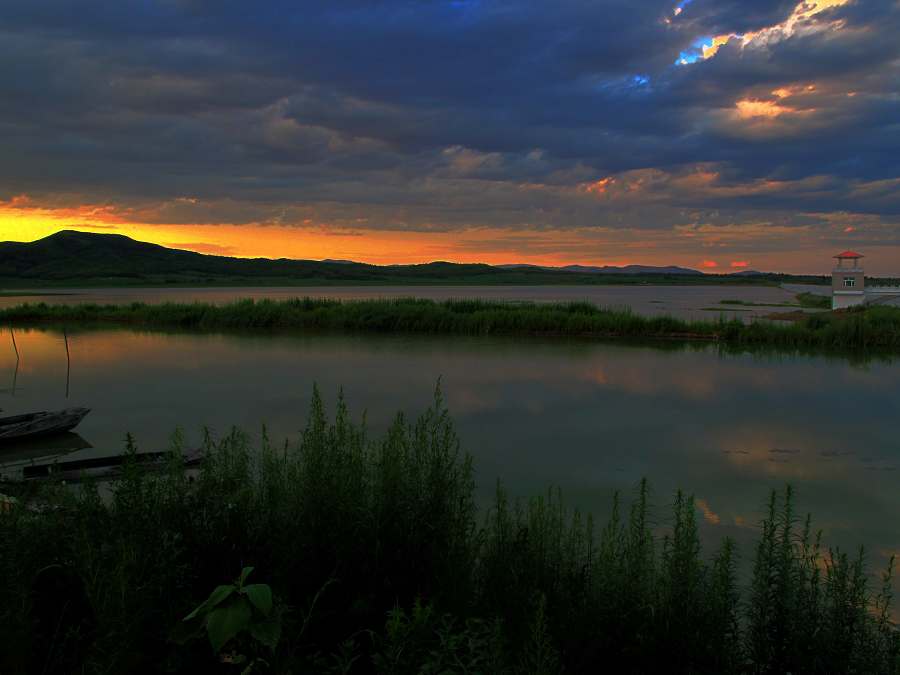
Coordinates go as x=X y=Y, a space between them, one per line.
x=869 y=328
x=380 y=562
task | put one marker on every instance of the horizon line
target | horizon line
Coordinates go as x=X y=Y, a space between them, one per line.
x=185 y=247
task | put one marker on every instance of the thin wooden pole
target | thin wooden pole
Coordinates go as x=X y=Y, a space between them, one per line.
x=68 y=361
x=16 y=371
x=15 y=346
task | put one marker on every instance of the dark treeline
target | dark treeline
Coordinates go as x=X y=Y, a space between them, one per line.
x=369 y=556
x=859 y=329
x=70 y=258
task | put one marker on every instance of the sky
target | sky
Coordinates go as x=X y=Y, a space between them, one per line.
x=716 y=134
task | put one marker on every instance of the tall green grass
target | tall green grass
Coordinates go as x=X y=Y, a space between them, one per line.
x=380 y=563
x=867 y=328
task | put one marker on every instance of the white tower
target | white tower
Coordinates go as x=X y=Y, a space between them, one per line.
x=848 y=283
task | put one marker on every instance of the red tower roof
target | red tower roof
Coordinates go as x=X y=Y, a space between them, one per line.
x=849 y=254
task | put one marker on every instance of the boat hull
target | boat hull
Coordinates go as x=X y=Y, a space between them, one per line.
x=40 y=424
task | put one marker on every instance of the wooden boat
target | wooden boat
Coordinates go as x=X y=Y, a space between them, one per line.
x=102 y=468
x=40 y=423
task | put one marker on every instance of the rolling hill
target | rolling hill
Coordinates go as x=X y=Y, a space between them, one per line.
x=70 y=258
x=609 y=269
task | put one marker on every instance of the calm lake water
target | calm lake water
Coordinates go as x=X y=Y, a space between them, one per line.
x=695 y=302
x=590 y=418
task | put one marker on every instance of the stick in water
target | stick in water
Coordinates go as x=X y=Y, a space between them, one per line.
x=16 y=371
x=68 y=361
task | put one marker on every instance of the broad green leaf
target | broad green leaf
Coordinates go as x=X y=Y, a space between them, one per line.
x=267 y=633
x=214 y=599
x=244 y=574
x=226 y=622
x=261 y=597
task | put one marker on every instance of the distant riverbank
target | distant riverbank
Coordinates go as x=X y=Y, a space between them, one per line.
x=870 y=328
x=510 y=279
x=695 y=302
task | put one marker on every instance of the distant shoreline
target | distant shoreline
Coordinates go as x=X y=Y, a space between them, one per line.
x=9 y=286
x=871 y=328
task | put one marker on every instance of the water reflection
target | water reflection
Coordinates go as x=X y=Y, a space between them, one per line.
x=590 y=418
x=42 y=446
x=17 y=454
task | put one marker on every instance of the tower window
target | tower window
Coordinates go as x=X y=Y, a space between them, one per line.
x=849 y=282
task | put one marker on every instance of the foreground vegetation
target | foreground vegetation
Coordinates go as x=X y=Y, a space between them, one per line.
x=864 y=328
x=348 y=554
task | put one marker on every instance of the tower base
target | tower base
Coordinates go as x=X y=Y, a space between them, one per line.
x=845 y=300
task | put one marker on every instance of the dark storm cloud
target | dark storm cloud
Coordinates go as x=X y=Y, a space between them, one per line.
x=449 y=110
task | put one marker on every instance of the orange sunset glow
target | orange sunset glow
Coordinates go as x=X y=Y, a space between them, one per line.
x=21 y=219
x=307 y=240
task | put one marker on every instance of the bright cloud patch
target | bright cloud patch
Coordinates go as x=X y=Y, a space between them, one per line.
x=747 y=108
x=801 y=21
x=702 y=49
